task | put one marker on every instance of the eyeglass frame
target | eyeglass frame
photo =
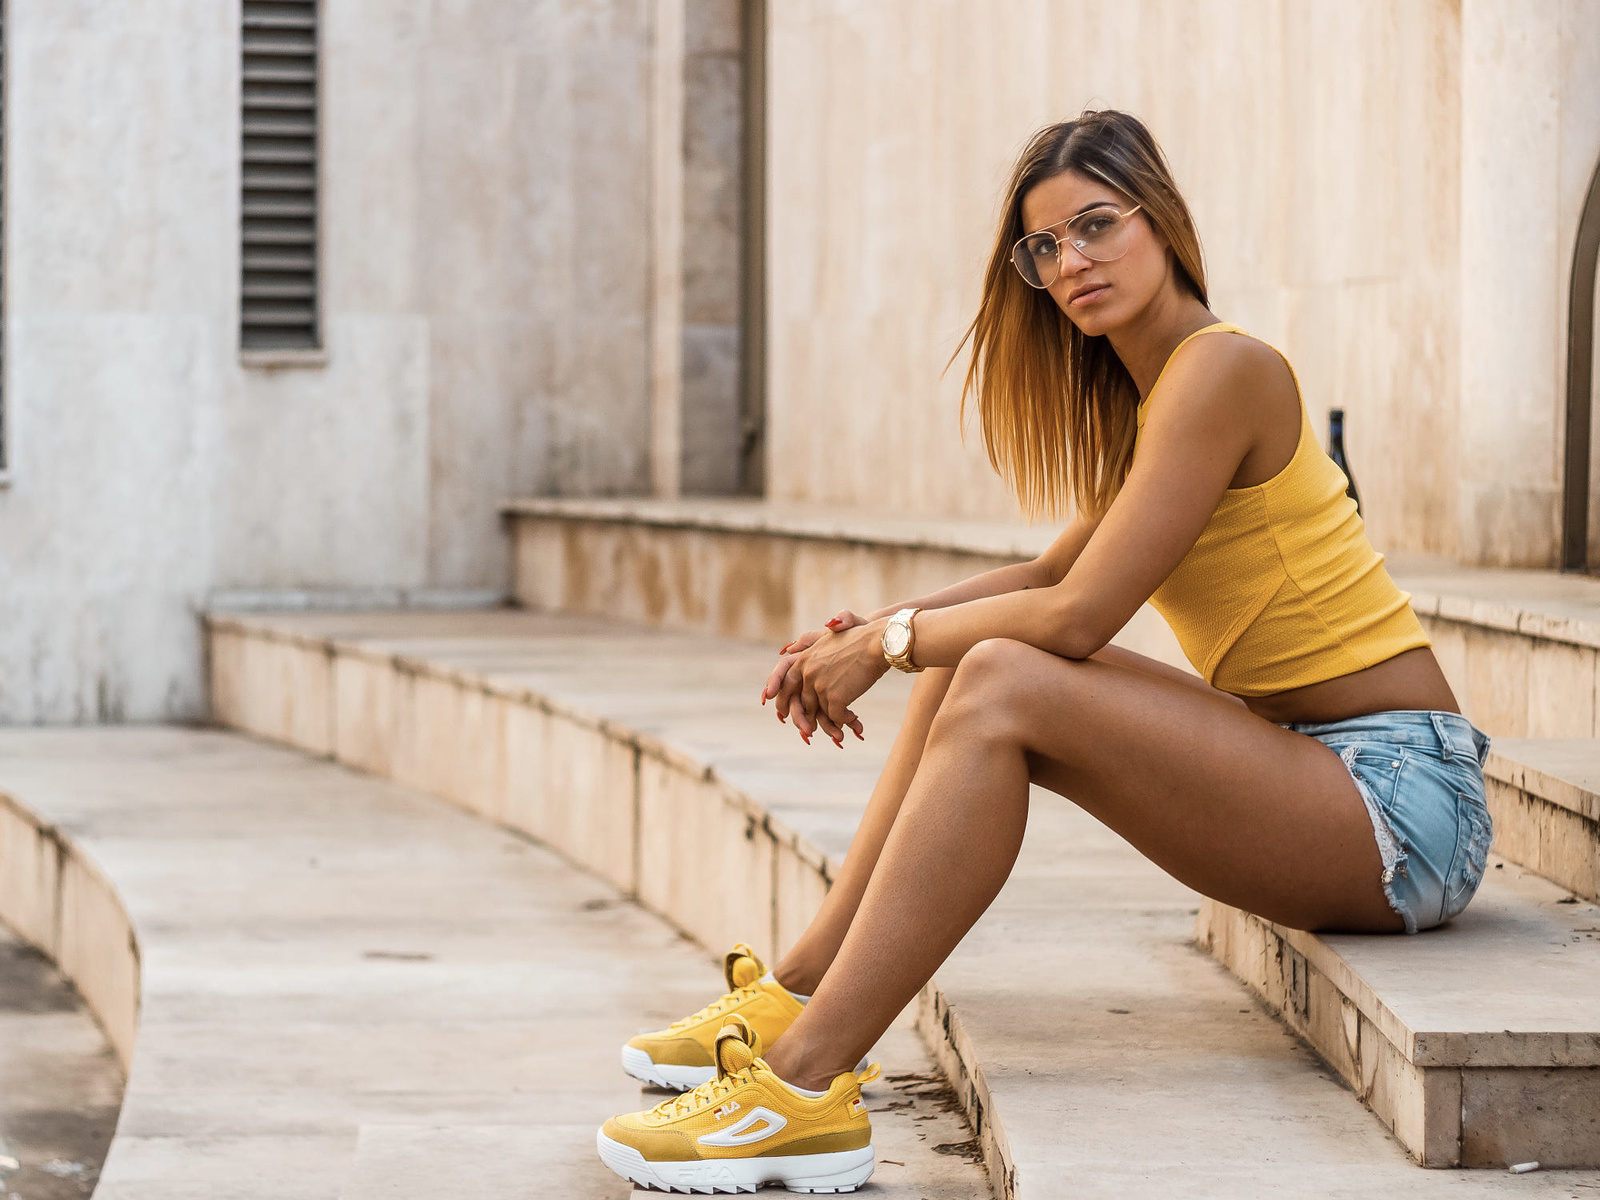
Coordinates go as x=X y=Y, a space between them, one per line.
x=1067 y=221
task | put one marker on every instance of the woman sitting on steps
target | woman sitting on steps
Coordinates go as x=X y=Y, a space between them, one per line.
x=1319 y=773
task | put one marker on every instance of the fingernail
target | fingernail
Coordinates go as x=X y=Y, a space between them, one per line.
x=833 y=622
x=807 y=738
x=859 y=738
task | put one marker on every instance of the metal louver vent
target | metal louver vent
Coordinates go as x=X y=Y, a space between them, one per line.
x=278 y=302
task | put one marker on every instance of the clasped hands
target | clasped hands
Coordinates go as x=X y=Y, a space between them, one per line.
x=823 y=671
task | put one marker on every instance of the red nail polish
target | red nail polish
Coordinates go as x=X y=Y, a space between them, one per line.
x=833 y=622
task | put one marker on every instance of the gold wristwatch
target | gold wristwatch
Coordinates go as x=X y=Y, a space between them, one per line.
x=898 y=639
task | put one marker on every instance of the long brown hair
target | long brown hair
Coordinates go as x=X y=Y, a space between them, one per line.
x=1058 y=407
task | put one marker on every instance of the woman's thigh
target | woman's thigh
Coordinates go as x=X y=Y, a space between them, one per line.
x=1154 y=666
x=1233 y=805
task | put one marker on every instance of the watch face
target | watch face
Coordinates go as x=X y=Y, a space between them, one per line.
x=895 y=638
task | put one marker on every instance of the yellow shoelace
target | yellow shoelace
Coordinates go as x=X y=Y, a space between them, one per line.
x=714 y=1088
x=729 y=1000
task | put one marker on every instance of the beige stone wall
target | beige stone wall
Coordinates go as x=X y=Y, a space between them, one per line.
x=712 y=126
x=485 y=286
x=1343 y=162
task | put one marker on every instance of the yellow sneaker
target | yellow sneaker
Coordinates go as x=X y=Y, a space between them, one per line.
x=745 y=1127
x=681 y=1056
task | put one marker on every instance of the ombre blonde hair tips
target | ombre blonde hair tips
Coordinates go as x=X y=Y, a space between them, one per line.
x=1057 y=407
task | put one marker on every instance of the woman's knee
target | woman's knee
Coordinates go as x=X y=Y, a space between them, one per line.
x=988 y=688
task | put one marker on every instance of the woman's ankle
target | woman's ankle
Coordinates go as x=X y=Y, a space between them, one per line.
x=797 y=977
x=796 y=1075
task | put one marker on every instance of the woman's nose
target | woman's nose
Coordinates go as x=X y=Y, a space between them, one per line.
x=1072 y=259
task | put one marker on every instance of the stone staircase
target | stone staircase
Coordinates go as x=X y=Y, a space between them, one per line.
x=1094 y=1044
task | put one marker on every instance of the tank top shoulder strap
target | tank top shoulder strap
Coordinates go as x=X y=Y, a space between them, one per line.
x=1215 y=327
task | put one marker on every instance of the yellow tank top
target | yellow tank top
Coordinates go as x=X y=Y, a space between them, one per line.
x=1282 y=588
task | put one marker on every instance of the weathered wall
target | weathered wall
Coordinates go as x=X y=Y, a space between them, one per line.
x=711 y=197
x=1343 y=162
x=485 y=196
x=1530 y=135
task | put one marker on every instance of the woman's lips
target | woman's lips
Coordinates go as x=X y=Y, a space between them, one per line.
x=1090 y=297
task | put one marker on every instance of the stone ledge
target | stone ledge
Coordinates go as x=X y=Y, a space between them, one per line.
x=1454 y=1036
x=1542 y=604
x=1520 y=648
x=996 y=539
x=59 y=901
x=1544 y=794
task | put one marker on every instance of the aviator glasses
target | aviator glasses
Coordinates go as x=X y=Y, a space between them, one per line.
x=1101 y=235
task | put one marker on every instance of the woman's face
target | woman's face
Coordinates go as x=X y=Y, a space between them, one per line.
x=1097 y=296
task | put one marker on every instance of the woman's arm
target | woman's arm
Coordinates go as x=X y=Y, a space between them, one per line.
x=1202 y=422
x=1045 y=571
x=1214 y=400
x=1013 y=577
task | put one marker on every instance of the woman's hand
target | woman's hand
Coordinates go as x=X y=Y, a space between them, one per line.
x=845 y=619
x=816 y=684
x=842 y=620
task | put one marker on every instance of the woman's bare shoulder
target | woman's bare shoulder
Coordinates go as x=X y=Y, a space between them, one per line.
x=1225 y=375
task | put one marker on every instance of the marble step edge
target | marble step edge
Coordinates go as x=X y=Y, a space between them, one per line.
x=56 y=898
x=724 y=830
x=1424 y=1048
x=1452 y=1098
x=1304 y=997
x=1546 y=813
x=1509 y=763
x=809 y=522
x=1537 y=604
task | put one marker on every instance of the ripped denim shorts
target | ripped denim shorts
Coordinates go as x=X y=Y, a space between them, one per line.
x=1420 y=772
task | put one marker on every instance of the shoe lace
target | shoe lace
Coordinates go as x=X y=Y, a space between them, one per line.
x=730 y=1000
x=711 y=1090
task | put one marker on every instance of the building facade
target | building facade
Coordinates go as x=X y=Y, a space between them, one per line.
x=691 y=247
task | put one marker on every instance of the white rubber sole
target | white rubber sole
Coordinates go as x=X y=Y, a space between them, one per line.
x=664 y=1075
x=842 y=1171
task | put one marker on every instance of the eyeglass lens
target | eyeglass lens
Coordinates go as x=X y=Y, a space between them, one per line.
x=1101 y=235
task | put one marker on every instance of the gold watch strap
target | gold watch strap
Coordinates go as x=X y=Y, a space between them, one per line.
x=903 y=659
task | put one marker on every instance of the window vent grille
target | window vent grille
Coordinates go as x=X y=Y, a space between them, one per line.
x=278 y=300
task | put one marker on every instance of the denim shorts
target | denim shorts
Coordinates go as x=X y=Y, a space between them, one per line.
x=1420 y=772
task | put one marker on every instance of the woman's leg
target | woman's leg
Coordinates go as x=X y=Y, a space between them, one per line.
x=802 y=968
x=1229 y=803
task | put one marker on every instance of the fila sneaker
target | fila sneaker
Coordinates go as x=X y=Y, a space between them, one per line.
x=681 y=1055
x=744 y=1128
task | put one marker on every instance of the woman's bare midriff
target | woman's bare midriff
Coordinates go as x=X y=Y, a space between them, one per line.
x=1411 y=679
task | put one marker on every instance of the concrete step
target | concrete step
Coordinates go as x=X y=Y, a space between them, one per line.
x=1544 y=794
x=1478 y=1042
x=343 y=986
x=1094 y=1044
x=918 y=1135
